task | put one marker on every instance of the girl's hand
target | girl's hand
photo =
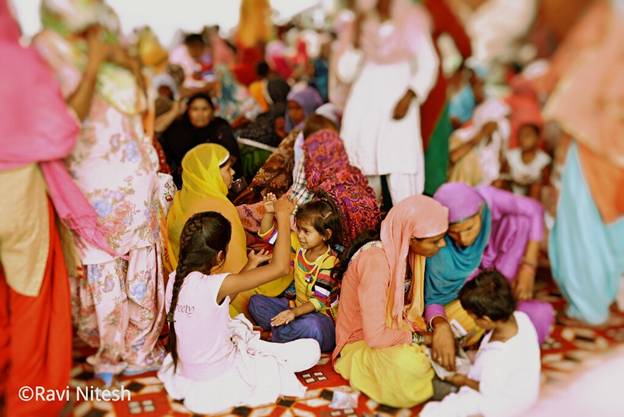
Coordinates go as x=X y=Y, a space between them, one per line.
x=458 y=380
x=257 y=258
x=284 y=207
x=524 y=282
x=269 y=203
x=282 y=318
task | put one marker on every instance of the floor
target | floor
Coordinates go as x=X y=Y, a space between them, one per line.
x=569 y=349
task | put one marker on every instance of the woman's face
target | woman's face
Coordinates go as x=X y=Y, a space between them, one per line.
x=465 y=233
x=227 y=173
x=200 y=113
x=295 y=112
x=428 y=246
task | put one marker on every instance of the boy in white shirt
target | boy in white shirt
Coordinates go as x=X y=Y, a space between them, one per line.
x=504 y=379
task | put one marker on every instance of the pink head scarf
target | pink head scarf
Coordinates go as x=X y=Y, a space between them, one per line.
x=418 y=216
x=35 y=126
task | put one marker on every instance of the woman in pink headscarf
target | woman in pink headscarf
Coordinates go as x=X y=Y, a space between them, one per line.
x=377 y=346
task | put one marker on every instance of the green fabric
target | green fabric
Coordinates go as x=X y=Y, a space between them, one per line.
x=437 y=154
x=252 y=160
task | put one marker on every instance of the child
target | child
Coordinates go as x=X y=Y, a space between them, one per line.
x=528 y=164
x=216 y=362
x=311 y=313
x=504 y=380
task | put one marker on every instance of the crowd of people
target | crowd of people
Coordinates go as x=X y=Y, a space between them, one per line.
x=224 y=212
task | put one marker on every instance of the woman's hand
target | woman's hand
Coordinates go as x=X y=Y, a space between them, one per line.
x=458 y=380
x=284 y=207
x=443 y=346
x=99 y=50
x=524 y=282
x=403 y=105
x=282 y=318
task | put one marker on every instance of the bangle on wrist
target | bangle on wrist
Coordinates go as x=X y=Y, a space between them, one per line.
x=418 y=339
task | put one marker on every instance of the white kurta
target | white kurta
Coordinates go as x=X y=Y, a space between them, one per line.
x=375 y=142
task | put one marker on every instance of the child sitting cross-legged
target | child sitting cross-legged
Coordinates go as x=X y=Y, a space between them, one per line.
x=311 y=314
x=504 y=379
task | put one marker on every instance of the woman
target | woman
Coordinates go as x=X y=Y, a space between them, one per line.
x=374 y=330
x=489 y=228
x=207 y=175
x=393 y=66
x=121 y=300
x=586 y=243
x=301 y=104
x=197 y=125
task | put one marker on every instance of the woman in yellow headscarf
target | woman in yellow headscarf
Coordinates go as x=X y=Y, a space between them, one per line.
x=207 y=174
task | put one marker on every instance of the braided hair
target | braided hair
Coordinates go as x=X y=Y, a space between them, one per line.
x=204 y=235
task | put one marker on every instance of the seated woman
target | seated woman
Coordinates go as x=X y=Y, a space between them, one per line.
x=198 y=125
x=207 y=174
x=301 y=104
x=375 y=327
x=489 y=228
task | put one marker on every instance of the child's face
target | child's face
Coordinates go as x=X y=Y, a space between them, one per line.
x=528 y=138
x=483 y=322
x=308 y=236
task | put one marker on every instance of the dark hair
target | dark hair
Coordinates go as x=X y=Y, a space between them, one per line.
x=202 y=96
x=488 y=294
x=204 y=235
x=194 y=38
x=262 y=69
x=536 y=128
x=362 y=239
x=323 y=214
x=315 y=123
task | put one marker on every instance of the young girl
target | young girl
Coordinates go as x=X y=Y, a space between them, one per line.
x=216 y=362
x=528 y=165
x=310 y=315
x=504 y=380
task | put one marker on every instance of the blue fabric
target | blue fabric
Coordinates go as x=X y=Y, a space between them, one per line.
x=448 y=270
x=315 y=326
x=586 y=255
x=462 y=104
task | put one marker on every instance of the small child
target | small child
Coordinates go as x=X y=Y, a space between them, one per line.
x=504 y=379
x=311 y=314
x=215 y=362
x=528 y=165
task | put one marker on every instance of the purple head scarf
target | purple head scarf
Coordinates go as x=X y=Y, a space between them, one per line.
x=308 y=98
x=462 y=200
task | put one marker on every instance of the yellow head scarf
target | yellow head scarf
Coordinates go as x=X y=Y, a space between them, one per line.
x=204 y=190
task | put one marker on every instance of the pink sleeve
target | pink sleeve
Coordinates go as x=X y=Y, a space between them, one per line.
x=432 y=311
x=504 y=203
x=373 y=296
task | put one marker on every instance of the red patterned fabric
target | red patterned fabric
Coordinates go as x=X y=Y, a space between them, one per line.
x=327 y=169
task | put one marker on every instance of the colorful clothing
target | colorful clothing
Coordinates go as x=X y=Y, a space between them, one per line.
x=434 y=113
x=509 y=222
x=219 y=354
x=522 y=174
x=374 y=325
x=309 y=100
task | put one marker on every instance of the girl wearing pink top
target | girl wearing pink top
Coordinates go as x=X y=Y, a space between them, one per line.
x=216 y=362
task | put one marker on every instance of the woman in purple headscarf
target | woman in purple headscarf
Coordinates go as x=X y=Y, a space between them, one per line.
x=488 y=228
x=301 y=104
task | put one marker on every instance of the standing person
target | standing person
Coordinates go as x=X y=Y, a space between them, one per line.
x=377 y=348
x=393 y=66
x=587 y=243
x=121 y=300
x=434 y=113
x=215 y=362
x=37 y=132
x=488 y=228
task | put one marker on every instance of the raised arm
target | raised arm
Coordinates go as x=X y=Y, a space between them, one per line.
x=279 y=265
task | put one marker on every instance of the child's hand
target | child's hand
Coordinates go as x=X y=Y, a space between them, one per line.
x=284 y=206
x=458 y=380
x=269 y=203
x=282 y=318
x=257 y=258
